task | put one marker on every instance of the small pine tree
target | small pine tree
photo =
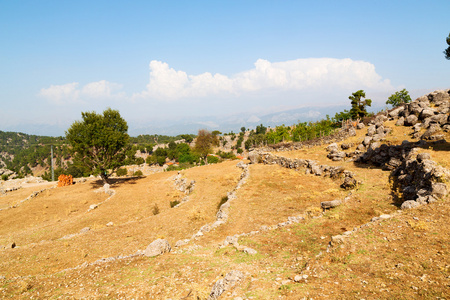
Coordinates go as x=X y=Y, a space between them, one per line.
x=358 y=104
x=447 y=51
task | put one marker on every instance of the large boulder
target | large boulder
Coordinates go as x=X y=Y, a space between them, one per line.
x=396 y=111
x=254 y=157
x=337 y=155
x=157 y=247
x=400 y=121
x=332 y=147
x=411 y=120
x=427 y=112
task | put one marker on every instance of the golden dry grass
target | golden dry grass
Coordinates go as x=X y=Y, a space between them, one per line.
x=404 y=257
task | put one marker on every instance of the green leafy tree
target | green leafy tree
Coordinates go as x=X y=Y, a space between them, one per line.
x=447 y=51
x=260 y=129
x=187 y=138
x=399 y=98
x=100 y=142
x=359 y=104
x=205 y=141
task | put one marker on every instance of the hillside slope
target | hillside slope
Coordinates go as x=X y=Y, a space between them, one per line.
x=270 y=240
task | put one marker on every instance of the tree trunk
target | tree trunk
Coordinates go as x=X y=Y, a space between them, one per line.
x=104 y=178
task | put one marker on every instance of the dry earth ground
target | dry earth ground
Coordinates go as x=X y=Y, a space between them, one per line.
x=403 y=257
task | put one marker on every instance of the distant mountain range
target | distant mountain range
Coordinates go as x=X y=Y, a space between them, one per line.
x=224 y=124
x=235 y=122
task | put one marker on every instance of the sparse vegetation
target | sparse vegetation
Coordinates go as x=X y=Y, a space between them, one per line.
x=323 y=255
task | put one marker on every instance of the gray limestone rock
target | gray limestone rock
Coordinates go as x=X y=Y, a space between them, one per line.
x=332 y=147
x=409 y=204
x=400 y=121
x=396 y=111
x=330 y=204
x=411 y=120
x=254 y=157
x=157 y=247
x=439 y=190
x=225 y=284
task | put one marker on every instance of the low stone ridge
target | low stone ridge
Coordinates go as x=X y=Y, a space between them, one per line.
x=183 y=186
x=420 y=179
x=414 y=175
x=222 y=214
x=311 y=166
x=224 y=284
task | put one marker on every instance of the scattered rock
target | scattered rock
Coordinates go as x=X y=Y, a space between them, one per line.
x=10 y=245
x=182 y=242
x=330 y=204
x=333 y=147
x=250 y=251
x=157 y=247
x=225 y=284
x=85 y=229
x=409 y=204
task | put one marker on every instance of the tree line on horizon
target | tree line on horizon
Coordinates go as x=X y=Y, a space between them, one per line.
x=100 y=144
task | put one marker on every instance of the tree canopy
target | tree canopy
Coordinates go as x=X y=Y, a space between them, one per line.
x=205 y=141
x=399 y=98
x=358 y=109
x=100 y=141
x=447 y=51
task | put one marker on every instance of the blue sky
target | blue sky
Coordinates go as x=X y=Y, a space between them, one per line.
x=160 y=61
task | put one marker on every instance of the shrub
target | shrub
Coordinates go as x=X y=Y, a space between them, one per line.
x=399 y=98
x=161 y=160
x=4 y=177
x=212 y=159
x=222 y=201
x=138 y=173
x=155 y=209
x=239 y=150
x=174 y=203
x=151 y=160
x=122 y=172
x=139 y=161
x=226 y=155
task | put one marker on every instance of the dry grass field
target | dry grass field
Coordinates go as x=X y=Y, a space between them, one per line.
x=406 y=256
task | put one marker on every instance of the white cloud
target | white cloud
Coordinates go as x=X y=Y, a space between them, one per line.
x=295 y=75
x=100 y=89
x=61 y=93
x=71 y=92
x=167 y=83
